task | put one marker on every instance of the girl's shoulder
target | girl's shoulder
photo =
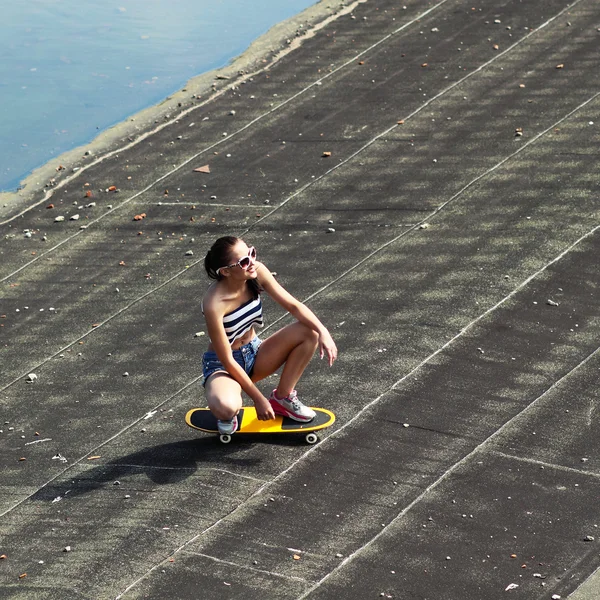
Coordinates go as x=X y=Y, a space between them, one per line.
x=211 y=299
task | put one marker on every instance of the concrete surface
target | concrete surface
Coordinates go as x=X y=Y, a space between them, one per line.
x=460 y=284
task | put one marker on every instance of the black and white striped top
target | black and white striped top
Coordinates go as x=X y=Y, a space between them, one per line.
x=239 y=321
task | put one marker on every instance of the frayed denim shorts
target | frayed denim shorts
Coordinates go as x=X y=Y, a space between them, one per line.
x=245 y=356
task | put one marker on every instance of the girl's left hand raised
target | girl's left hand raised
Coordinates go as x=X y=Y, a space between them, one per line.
x=327 y=346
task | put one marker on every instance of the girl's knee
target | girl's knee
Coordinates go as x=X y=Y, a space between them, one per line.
x=311 y=336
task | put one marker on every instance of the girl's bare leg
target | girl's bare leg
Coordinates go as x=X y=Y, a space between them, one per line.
x=293 y=345
x=223 y=395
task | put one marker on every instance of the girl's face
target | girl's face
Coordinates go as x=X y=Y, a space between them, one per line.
x=243 y=262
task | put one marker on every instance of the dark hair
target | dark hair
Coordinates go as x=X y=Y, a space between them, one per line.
x=219 y=255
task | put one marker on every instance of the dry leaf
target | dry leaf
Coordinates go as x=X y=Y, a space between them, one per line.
x=22 y=575
x=401 y=122
x=122 y=263
x=112 y=188
x=326 y=154
x=204 y=169
x=296 y=557
x=93 y=457
x=50 y=206
x=561 y=66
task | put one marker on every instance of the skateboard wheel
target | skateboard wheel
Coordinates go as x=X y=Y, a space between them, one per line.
x=225 y=438
x=312 y=438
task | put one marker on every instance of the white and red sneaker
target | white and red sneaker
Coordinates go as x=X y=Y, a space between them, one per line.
x=291 y=407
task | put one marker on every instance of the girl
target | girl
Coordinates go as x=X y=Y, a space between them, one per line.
x=236 y=357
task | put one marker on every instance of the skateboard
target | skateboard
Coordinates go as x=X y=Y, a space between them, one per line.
x=248 y=422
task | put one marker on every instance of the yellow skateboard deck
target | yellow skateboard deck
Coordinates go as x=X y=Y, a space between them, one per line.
x=248 y=422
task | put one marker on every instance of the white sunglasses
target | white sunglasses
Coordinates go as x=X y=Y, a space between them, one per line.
x=243 y=263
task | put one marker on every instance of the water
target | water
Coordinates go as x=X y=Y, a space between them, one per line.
x=70 y=68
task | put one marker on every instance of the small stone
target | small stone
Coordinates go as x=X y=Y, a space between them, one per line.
x=67 y=549
x=199 y=334
x=330 y=230
x=126 y=374
x=126 y=496
x=551 y=303
x=31 y=377
x=74 y=218
x=589 y=538
x=28 y=234
x=59 y=219
x=189 y=253
x=232 y=112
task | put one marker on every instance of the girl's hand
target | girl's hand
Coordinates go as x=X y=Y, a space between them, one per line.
x=327 y=346
x=264 y=410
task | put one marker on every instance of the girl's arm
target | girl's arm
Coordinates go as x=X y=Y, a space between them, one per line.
x=298 y=310
x=218 y=337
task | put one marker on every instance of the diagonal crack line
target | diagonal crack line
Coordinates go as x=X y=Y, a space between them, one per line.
x=420 y=109
x=101 y=445
x=215 y=144
x=248 y=568
x=303 y=188
x=220 y=93
x=376 y=401
x=449 y=471
x=544 y=464
x=435 y=212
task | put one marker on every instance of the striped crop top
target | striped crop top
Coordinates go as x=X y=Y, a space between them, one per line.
x=239 y=321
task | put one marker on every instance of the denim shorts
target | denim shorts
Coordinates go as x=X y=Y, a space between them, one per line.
x=245 y=356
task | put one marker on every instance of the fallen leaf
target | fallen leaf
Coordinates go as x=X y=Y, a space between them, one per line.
x=2 y=556
x=361 y=62
x=95 y=324
x=22 y=575
x=122 y=263
x=50 y=206
x=112 y=188
x=296 y=557
x=93 y=457
x=496 y=47
x=22 y=458
x=326 y=154
x=401 y=122
x=561 y=66
x=88 y=194
x=204 y=169
x=424 y=65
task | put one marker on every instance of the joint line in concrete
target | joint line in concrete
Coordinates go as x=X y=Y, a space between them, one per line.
x=444 y=475
x=541 y=463
x=247 y=567
x=101 y=445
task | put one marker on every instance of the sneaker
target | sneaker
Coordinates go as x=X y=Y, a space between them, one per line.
x=291 y=407
x=227 y=427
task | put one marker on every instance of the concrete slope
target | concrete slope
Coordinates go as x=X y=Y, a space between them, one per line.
x=460 y=283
